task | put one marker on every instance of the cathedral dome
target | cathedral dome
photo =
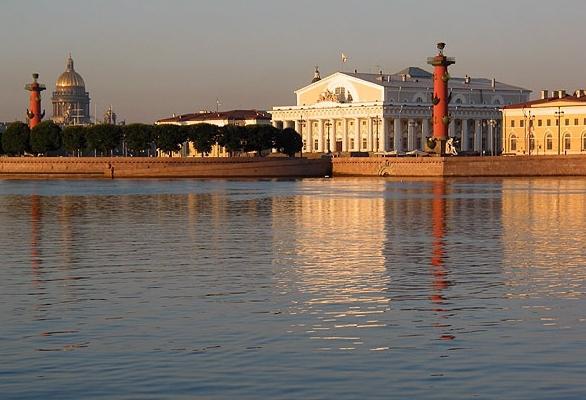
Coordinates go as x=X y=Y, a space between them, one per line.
x=70 y=78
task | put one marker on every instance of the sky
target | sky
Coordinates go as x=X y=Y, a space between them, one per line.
x=150 y=59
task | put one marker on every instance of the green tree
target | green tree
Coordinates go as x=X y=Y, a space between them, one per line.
x=203 y=136
x=1 y=149
x=74 y=138
x=138 y=137
x=15 y=140
x=260 y=138
x=104 y=137
x=234 y=138
x=169 y=138
x=289 y=142
x=45 y=137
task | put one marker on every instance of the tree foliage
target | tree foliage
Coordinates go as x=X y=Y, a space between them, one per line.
x=74 y=138
x=203 y=136
x=169 y=138
x=261 y=138
x=289 y=142
x=45 y=137
x=104 y=137
x=15 y=140
x=138 y=137
x=234 y=138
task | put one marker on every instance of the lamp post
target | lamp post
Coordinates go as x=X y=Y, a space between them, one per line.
x=559 y=114
x=531 y=132
x=377 y=121
x=328 y=125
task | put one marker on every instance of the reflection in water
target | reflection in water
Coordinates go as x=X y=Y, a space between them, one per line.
x=280 y=289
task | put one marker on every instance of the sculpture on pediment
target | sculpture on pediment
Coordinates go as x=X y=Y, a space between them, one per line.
x=328 y=95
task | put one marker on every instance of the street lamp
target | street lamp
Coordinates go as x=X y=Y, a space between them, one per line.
x=531 y=132
x=377 y=121
x=559 y=114
x=328 y=124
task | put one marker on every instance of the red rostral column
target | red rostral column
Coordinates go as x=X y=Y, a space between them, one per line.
x=34 y=113
x=440 y=100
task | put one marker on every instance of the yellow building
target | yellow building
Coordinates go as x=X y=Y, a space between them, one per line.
x=549 y=126
x=221 y=118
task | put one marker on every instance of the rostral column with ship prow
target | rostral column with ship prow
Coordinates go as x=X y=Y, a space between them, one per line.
x=34 y=113
x=440 y=143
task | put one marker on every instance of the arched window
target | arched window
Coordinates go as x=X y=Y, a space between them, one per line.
x=584 y=141
x=567 y=141
x=531 y=142
x=458 y=101
x=548 y=141
x=513 y=143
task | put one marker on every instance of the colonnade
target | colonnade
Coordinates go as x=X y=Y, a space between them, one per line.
x=376 y=134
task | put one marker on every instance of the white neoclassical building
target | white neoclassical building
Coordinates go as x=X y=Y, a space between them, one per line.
x=365 y=112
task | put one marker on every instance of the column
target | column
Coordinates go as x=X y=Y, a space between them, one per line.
x=464 y=136
x=410 y=135
x=452 y=128
x=331 y=135
x=320 y=130
x=369 y=144
x=357 y=145
x=382 y=135
x=397 y=136
x=345 y=140
x=308 y=136
x=478 y=135
x=275 y=123
x=425 y=133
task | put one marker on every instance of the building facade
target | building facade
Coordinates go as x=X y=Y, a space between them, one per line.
x=220 y=118
x=552 y=125
x=364 y=112
x=71 y=102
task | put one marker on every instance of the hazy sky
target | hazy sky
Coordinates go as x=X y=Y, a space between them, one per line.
x=152 y=58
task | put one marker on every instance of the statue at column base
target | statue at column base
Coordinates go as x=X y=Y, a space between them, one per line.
x=440 y=147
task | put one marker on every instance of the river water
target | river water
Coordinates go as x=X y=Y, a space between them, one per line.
x=288 y=289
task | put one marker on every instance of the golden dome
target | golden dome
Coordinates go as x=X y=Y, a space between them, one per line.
x=70 y=78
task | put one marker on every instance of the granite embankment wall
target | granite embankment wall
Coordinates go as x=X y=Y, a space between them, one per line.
x=139 y=167
x=574 y=165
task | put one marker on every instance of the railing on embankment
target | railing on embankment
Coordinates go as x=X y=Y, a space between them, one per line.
x=144 y=167
x=570 y=165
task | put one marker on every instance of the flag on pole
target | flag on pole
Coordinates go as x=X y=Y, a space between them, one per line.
x=344 y=58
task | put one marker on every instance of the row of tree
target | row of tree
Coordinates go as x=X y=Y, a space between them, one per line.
x=47 y=138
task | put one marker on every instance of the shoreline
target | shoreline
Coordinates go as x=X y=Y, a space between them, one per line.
x=281 y=167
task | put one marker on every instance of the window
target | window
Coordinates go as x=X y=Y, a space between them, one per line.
x=364 y=144
x=539 y=122
x=557 y=122
x=548 y=142
x=316 y=145
x=521 y=124
x=512 y=123
x=513 y=143
x=567 y=141
x=584 y=121
x=352 y=143
x=340 y=93
x=549 y=122
x=567 y=121
x=584 y=142
x=363 y=123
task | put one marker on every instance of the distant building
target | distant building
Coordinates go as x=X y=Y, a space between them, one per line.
x=71 y=102
x=221 y=118
x=553 y=124
x=353 y=111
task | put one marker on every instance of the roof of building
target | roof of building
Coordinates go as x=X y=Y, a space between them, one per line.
x=418 y=77
x=544 y=102
x=219 y=116
x=70 y=78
